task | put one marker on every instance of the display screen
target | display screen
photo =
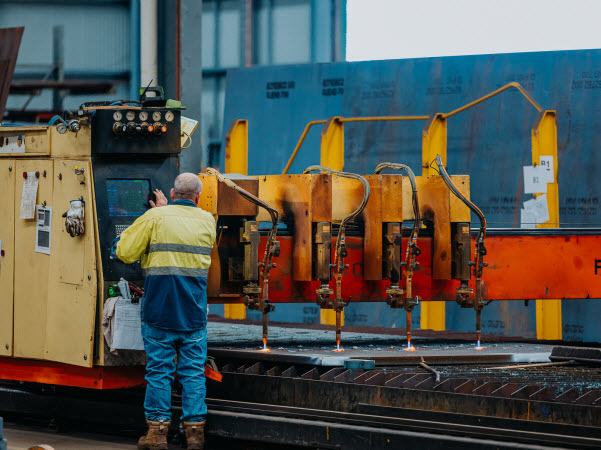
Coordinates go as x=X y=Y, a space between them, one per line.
x=127 y=198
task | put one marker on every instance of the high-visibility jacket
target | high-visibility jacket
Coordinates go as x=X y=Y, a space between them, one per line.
x=174 y=244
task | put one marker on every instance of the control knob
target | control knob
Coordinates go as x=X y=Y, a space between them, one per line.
x=119 y=128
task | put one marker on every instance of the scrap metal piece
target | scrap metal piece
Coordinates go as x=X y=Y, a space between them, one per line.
x=10 y=41
x=435 y=372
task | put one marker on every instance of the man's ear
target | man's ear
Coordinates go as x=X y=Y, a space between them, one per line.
x=172 y=194
x=197 y=199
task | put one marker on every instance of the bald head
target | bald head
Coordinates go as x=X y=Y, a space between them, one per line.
x=187 y=186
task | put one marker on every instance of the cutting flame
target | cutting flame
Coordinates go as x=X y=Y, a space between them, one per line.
x=338 y=349
x=410 y=348
x=478 y=346
x=265 y=349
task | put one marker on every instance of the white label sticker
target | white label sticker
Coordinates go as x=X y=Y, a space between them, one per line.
x=539 y=209
x=43 y=229
x=547 y=163
x=535 y=180
x=28 y=197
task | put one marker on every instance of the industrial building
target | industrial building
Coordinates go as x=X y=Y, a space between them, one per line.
x=380 y=253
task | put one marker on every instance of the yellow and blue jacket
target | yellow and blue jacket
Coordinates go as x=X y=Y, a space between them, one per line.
x=174 y=245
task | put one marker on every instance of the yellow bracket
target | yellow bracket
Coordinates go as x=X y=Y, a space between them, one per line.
x=434 y=142
x=332 y=144
x=236 y=161
x=544 y=143
x=236 y=148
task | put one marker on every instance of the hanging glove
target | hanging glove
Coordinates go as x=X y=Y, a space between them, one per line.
x=75 y=223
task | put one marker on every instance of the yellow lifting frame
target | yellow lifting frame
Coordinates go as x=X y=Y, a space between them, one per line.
x=236 y=161
x=544 y=142
x=434 y=142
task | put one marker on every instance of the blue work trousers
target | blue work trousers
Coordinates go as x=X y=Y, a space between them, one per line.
x=161 y=347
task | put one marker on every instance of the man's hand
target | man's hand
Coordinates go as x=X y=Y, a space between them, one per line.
x=161 y=200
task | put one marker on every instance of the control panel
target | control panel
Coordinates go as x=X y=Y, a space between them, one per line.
x=134 y=151
x=131 y=130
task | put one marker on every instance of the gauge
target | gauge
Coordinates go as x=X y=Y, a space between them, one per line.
x=169 y=116
x=117 y=116
x=156 y=116
x=130 y=115
x=143 y=116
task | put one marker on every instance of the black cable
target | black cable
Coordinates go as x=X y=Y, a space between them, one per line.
x=480 y=248
x=351 y=216
x=416 y=214
x=361 y=207
x=458 y=194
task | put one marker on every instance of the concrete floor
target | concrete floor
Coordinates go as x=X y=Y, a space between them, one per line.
x=22 y=437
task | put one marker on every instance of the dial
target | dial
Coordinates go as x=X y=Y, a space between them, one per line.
x=117 y=116
x=156 y=116
x=169 y=116
x=130 y=115
x=143 y=116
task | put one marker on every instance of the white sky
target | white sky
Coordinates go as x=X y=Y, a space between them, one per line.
x=391 y=29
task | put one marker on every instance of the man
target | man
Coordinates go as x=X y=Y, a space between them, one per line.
x=174 y=243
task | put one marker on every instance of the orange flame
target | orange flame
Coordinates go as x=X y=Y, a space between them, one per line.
x=338 y=349
x=265 y=348
x=410 y=348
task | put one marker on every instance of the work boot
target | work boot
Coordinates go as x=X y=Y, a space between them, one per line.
x=195 y=435
x=156 y=437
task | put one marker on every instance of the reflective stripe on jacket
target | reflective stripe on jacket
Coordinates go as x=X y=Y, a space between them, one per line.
x=174 y=245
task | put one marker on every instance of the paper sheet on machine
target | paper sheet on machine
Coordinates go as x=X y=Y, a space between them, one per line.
x=535 y=179
x=127 y=333
x=535 y=212
x=30 y=192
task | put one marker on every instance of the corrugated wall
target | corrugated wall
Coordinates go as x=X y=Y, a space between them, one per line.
x=96 y=38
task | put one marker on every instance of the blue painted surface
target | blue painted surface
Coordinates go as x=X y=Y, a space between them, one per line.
x=506 y=318
x=301 y=313
x=491 y=142
x=580 y=320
